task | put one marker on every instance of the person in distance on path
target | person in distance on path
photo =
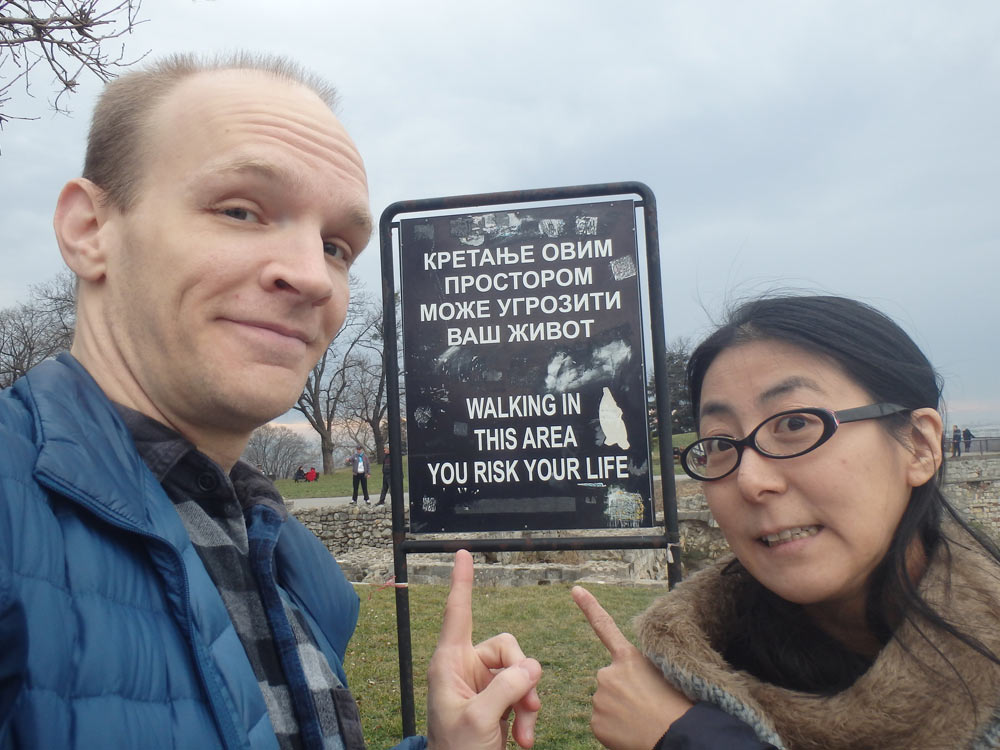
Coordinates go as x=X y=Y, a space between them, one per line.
x=360 y=471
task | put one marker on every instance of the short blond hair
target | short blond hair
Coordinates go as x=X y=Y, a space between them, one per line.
x=116 y=144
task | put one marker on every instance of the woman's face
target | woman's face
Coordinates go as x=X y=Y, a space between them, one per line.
x=843 y=501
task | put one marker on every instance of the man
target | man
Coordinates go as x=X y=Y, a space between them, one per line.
x=360 y=471
x=956 y=441
x=386 y=474
x=153 y=590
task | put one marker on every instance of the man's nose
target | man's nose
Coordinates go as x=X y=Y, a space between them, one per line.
x=301 y=267
x=759 y=477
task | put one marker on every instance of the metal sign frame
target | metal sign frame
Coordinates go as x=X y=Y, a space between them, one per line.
x=402 y=546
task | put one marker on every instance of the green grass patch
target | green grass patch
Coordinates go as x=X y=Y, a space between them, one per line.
x=545 y=621
x=683 y=439
x=338 y=484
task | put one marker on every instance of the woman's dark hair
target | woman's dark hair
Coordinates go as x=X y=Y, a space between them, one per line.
x=882 y=359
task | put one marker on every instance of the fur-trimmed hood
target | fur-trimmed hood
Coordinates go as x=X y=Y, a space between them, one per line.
x=910 y=699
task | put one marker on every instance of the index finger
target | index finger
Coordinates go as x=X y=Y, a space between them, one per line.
x=601 y=622
x=456 y=626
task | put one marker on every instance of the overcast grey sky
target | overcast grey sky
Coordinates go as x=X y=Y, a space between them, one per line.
x=843 y=146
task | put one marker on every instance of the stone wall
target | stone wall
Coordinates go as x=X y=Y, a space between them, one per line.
x=973 y=486
x=343 y=528
x=361 y=537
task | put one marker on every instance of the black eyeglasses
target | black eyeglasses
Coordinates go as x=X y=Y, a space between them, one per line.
x=787 y=434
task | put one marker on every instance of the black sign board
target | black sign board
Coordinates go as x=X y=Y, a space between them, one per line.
x=523 y=352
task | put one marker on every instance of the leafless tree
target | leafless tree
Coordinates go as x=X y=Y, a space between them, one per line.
x=366 y=404
x=37 y=329
x=277 y=450
x=324 y=398
x=24 y=341
x=367 y=388
x=57 y=299
x=63 y=38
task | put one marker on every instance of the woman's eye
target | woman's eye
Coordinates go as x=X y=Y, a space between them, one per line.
x=721 y=446
x=240 y=214
x=713 y=445
x=793 y=423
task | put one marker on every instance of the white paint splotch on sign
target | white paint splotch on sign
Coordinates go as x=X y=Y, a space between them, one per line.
x=565 y=374
x=623 y=509
x=610 y=415
x=552 y=227
x=623 y=268
x=611 y=357
x=586 y=225
x=475 y=230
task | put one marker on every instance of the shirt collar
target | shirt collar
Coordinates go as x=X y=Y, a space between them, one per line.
x=159 y=446
x=162 y=448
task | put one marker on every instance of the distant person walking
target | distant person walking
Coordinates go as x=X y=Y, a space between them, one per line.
x=956 y=441
x=967 y=437
x=386 y=474
x=361 y=470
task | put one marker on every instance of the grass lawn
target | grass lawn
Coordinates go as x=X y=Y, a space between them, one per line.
x=681 y=440
x=547 y=624
x=338 y=484
x=684 y=439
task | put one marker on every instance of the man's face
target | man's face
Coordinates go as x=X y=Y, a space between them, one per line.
x=230 y=274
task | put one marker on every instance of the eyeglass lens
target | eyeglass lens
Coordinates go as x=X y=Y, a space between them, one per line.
x=781 y=435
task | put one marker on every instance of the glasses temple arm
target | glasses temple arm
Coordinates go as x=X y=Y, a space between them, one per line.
x=873 y=411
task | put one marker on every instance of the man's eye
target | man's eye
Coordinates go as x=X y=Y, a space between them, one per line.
x=240 y=214
x=336 y=251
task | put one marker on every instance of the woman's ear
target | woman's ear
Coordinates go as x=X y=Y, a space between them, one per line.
x=78 y=220
x=925 y=446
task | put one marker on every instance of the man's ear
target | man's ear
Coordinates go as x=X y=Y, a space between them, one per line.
x=925 y=446
x=78 y=220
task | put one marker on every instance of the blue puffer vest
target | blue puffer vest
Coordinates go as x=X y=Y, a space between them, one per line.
x=112 y=634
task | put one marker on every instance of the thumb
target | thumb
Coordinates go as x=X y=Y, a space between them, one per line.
x=509 y=686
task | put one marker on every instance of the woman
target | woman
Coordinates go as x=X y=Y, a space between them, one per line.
x=860 y=611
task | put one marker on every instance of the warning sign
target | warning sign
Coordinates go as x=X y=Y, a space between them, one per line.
x=525 y=385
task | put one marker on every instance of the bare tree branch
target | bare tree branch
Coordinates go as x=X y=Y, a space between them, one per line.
x=368 y=390
x=37 y=329
x=65 y=37
x=277 y=450
x=323 y=400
